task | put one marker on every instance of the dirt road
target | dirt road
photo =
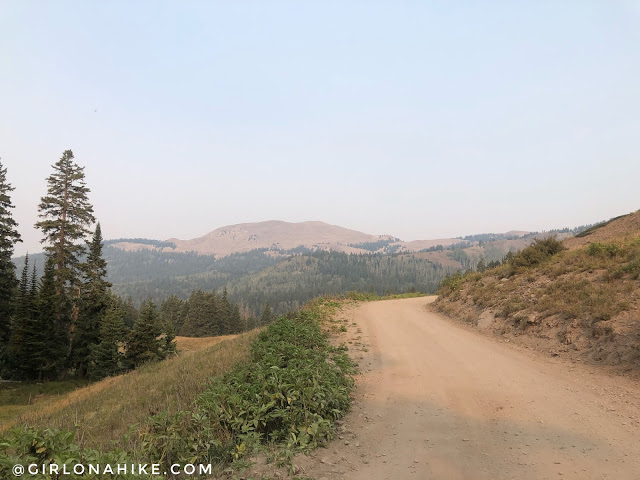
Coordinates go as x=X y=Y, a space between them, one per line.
x=439 y=401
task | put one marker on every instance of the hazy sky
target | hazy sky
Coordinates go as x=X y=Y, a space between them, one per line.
x=416 y=119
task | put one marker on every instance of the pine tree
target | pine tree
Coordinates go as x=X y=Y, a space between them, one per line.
x=482 y=266
x=169 y=346
x=29 y=338
x=37 y=334
x=130 y=313
x=65 y=214
x=106 y=359
x=267 y=315
x=53 y=326
x=173 y=311
x=237 y=324
x=23 y=306
x=225 y=315
x=144 y=344
x=9 y=236
x=18 y=349
x=93 y=304
x=33 y=284
x=202 y=315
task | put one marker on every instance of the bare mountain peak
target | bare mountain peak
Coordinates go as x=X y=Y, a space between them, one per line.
x=284 y=236
x=244 y=237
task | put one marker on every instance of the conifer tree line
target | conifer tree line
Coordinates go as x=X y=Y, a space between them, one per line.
x=67 y=322
x=206 y=314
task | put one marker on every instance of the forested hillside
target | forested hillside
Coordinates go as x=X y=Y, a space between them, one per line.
x=288 y=278
x=292 y=282
x=287 y=281
x=142 y=269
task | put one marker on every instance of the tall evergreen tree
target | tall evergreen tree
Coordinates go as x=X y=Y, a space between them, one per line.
x=33 y=284
x=29 y=344
x=169 y=346
x=225 y=327
x=173 y=310
x=202 y=315
x=9 y=236
x=53 y=325
x=144 y=344
x=23 y=304
x=93 y=304
x=19 y=346
x=106 y=358
x=130 y=313
x=66 y=214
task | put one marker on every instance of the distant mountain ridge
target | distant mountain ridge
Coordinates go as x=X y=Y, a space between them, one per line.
x=275 y=234
x=289 y=263
x=284 y=236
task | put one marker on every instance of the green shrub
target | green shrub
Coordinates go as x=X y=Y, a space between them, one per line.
x=540 y=250
x=514 y=304
x=450 y=284
x=25 y=446
x=599 y=249
x=633 y=268
x=294 y=389
x=291 y=392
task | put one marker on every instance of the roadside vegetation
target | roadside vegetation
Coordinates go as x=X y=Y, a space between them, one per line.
x=281 y=388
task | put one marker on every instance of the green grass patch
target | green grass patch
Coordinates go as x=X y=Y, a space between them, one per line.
x=372 y=297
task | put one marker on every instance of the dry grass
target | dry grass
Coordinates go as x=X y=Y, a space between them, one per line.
x=584 y=284
x=188 y=344
x=624 y=227
x=106 y=410
x=18 y=397
x=586 y=297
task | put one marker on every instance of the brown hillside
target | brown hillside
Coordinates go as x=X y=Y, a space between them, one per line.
x=622 y=227
x=583 y=302
x=314 y=235
x=282 y=235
